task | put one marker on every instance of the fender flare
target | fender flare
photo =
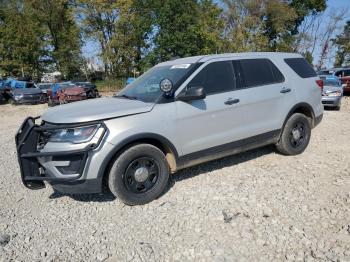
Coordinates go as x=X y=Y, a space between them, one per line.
x=294 y=108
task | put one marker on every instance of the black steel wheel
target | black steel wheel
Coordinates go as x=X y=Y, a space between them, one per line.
x=295 y=135
x=139 y=174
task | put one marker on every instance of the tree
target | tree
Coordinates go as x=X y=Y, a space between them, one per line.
x=63 y=35
x=342 y=42
x=121 y=28
x=280 y=21
x=185 y=28
x=326 y=43
x=244 y=29
x=21 y=45
x=258 y=25
x=304 y=8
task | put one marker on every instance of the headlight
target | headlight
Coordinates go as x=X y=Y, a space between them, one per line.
x=18 y=95
x=74 y=135
x=336 y=93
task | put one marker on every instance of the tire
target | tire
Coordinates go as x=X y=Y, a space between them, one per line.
x=295 y=135
x=128 y=180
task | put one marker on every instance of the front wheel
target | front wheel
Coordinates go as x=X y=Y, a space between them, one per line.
x=139 y=175
x=295 y=135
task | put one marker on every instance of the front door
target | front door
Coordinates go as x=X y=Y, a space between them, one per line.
x=207 y=123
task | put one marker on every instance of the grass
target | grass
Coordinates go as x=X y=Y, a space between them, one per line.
x=110 y=85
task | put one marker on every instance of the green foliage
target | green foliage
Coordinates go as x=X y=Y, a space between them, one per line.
x=63 y=34
x=121 y=28
x=47 y=35
x=21 y=46
x=185 y=28
x=36 y=34
x=110 y=86
x=303 y=8
x=342 y=41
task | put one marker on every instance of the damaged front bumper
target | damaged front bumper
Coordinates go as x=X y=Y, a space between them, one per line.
x=57 y=167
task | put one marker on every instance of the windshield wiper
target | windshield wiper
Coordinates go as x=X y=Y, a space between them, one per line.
x=128 y=97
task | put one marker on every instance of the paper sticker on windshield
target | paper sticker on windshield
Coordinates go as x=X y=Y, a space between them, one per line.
x=181 y=66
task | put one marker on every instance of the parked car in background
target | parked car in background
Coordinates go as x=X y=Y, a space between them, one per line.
x=324 y=72
x=204 y=108
x=44 y=87
x=342 y=73
x=32 y=95
x=90 y=89
x=332 y=91
x=63 y=93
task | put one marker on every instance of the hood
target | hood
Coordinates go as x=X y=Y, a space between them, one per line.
x=27 y=91
x=73 y=91
x=329 y=89
x=95 y=109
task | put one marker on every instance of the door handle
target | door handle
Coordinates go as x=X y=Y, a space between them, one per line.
x=285 y=90
x=231 y=101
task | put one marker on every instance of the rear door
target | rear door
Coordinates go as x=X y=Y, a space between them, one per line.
x=264 y=97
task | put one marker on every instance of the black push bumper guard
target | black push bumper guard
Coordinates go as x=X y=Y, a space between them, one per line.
x=27 y=138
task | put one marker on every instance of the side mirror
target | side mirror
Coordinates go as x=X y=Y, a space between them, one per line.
x=192 y=93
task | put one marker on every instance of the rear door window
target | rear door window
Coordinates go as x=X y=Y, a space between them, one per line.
x=301 y=67
x=217 y=77
x=259 y=72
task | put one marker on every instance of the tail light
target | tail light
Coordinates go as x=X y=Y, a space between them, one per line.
x=319 y=82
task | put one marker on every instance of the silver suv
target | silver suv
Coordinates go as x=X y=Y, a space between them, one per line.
x=178 y=114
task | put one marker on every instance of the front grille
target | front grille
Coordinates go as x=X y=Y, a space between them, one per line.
x=327 y=102
x=31 y=97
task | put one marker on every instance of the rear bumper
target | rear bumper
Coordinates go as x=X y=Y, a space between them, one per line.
x=64 y=169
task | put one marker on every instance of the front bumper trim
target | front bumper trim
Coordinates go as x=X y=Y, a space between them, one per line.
x=32 y=172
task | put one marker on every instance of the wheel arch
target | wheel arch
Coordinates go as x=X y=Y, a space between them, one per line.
x=303 y=108
x=156 y=140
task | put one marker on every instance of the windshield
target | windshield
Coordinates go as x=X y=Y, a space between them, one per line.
x=331 y=81
x=146 y=87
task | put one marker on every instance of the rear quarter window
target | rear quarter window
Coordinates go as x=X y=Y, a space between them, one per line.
x=301 y=67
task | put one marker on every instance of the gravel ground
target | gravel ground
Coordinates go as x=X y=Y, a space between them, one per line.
x=254 y=206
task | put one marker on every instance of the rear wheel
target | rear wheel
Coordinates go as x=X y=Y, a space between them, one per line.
x=139 y=175
x=295 y=136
